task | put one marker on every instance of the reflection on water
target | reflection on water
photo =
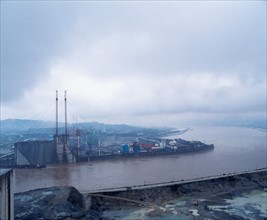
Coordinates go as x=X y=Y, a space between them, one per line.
x=236 y=149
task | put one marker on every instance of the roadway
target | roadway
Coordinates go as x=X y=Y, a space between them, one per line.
x=171 y=183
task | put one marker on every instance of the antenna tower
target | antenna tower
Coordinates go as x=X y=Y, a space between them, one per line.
x=66 y=129
x=56 y=113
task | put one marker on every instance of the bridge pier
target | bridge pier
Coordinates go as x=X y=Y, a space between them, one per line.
x=63 y=152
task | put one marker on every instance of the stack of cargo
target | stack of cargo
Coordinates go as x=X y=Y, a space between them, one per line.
x=125 y=149
x=136 y=147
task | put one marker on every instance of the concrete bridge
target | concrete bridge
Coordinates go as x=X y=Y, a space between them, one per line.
x=171 y=183
x=7 y=160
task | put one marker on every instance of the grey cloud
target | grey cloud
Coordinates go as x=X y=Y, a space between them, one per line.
x=221 y=38
x=32 y=34
x=145 y=45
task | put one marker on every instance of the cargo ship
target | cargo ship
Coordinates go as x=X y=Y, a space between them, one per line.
x=148 y=147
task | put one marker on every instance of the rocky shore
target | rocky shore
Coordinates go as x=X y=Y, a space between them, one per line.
x=210 y=199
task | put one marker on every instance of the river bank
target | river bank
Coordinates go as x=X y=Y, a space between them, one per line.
x=210 y=199
x=236 y=150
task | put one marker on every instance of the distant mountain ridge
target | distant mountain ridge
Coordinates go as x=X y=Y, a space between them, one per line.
x=24 y=124
x=19 y=125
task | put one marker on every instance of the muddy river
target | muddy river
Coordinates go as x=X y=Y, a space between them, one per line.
x=236 y=149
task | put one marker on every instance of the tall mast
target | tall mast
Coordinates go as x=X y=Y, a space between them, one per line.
x=66 y=129
x=56 y=113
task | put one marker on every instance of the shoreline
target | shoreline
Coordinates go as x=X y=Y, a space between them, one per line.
x=201 y=198
x=213 y=198
x=171 y=183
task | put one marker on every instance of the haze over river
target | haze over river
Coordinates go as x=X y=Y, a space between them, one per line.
x=236 y=149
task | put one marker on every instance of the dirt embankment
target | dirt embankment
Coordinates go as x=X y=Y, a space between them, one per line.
x=223 y=187
x=68 y=203
x=54 y=203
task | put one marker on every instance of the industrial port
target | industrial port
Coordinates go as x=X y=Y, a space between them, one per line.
x=81 y=146
x=73 y=143
x=79 y=142
x=148 y=147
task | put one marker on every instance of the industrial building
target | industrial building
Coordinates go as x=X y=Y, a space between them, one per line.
x=35 y=153
x=6 y=194
x=42 y=152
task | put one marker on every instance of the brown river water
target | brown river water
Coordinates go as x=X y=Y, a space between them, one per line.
x=236 y=150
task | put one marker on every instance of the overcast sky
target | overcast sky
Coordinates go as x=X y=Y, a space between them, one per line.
x=144 y=63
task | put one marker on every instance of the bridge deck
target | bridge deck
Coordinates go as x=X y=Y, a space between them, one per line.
x=171 y=183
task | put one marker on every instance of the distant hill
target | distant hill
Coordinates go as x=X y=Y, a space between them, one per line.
x=24 y=125
x=17 y=125
x=107 y=127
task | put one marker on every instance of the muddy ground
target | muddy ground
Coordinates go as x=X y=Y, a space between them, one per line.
x=211 y=199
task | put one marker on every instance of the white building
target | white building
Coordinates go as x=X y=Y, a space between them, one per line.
x=6 y=194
